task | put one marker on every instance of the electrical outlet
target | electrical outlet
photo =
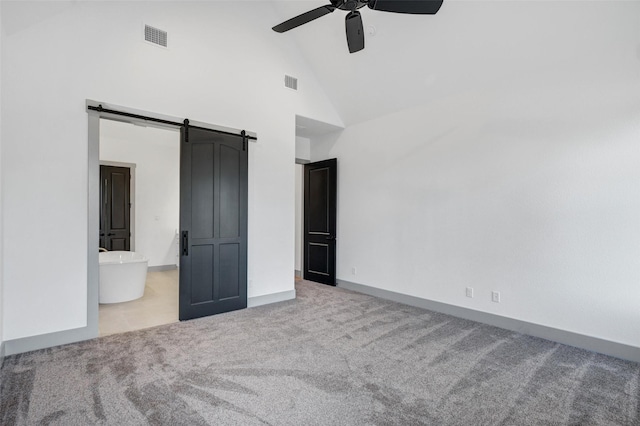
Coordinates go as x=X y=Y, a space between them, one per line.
x=469 y=291
x=353 y=270
x=495 y=296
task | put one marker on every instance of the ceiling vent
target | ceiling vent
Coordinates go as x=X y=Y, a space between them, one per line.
x=155 y=36
x=291 y=82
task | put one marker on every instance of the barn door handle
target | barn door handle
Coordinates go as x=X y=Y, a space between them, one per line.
x=110 y=234
x=185 y=243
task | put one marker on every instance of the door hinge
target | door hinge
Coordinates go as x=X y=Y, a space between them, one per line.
x=244 y=140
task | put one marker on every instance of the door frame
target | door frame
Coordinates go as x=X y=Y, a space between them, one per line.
x=137 y=117
x=301 y=162
x=132 y=197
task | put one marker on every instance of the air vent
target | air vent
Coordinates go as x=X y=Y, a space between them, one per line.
x=291 y=82
x=155 y=36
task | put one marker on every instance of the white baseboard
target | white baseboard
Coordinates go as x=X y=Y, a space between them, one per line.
x=32 y=343
x=595 y=344
x=48 y=340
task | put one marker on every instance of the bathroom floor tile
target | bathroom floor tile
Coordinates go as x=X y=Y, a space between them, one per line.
x=158 y=306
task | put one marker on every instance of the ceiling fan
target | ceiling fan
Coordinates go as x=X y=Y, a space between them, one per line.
x=355 y=32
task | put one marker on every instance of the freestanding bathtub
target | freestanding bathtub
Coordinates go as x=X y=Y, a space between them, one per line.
x=122 y=276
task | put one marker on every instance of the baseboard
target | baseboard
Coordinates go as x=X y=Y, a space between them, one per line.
x=42 y=341
x=266 y=299
x=161 y=268
x=595 y=344
x=297 y=273
x=1 y=353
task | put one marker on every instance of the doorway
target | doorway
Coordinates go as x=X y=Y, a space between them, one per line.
x=100 y=113
x=115 y=208
x=139 y=201
x=316 y=220
x=320 y=214
x=315 y=201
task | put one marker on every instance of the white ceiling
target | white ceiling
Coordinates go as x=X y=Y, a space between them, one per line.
x=467 y=46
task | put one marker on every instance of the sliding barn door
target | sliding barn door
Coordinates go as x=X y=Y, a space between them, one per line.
x=320 y=181
x=213 y=221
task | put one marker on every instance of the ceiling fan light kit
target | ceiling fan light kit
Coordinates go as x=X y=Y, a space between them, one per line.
x=353 y=20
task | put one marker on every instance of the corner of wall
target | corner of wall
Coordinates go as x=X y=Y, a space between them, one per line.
x=1 y=215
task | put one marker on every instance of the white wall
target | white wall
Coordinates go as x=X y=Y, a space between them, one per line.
x=529 y=186
x=299 y=200
x=303 y=152
x=156 y=155
x=1 y=203
x=303 y=148
x=224 y=66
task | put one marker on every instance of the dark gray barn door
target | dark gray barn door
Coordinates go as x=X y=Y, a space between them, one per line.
x=320 y=180
x=115 y=208
x=213 y=222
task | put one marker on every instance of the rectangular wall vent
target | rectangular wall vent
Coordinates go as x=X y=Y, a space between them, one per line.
x=291 y=82
x=155 y=36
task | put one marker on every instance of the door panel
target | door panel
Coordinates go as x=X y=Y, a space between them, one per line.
x=229 y=272
x=115 y=211
x=202 y=272
x=229 y=192
x=318 y=259
x=118 y=244
x=320 y=184
x=202 y=189
x=213 y=217
x=319 y=202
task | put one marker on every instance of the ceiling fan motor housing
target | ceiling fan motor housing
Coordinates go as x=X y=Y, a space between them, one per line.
x=348 y=4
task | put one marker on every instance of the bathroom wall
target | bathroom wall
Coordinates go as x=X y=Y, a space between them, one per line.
x=156 y=154
x=224 y=66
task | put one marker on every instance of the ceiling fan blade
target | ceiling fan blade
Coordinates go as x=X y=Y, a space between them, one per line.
x=355 y=32
x=304 y=18
x=418 y=7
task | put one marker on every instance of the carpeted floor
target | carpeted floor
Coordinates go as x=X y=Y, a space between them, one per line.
x=329 y=357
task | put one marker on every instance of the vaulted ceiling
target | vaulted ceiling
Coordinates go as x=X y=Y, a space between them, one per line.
x=411 y=60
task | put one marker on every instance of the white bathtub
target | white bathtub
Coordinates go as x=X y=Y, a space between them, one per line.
x=122 y=276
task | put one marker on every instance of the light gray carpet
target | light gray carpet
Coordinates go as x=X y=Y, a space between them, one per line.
x=329 y=357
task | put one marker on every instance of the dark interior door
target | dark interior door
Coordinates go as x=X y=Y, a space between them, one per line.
x=115 y=208
x=320 y=180
x=213 y=222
